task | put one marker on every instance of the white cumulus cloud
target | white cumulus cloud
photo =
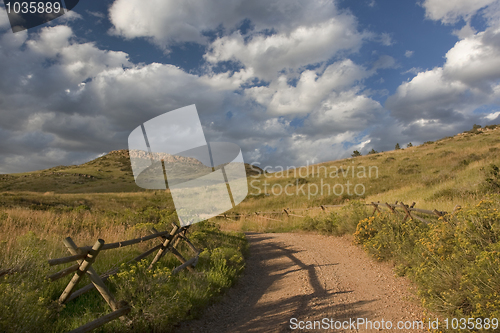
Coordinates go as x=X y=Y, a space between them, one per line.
x=267 y=55
x=170 y=21
x=452 y=11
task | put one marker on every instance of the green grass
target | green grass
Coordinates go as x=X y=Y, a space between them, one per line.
x=32 y=228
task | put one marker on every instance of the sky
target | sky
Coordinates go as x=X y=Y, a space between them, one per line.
x=291 y=82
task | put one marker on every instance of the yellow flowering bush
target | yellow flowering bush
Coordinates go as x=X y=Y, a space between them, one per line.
x=455 y=260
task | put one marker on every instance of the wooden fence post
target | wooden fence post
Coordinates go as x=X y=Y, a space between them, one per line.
x=164 y=246
x=407 y=212
x=392 y=209
x=182 y=231
x=439 y=214
x=376 y=208
x=64 y=272
x=82 y=269
x=190 y=244
x=96 y=280
x=181 y=259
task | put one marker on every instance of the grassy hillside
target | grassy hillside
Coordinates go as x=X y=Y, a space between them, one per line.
x=437 y=174
x=111 y=173
x=447 y=171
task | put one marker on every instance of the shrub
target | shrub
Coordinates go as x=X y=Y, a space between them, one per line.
x=474 y=130
x=454 y=262
x=340 y=223
x=328 y=224
x=492 y=179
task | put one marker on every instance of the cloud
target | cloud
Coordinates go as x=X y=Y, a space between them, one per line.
x=383 y=62
x=168 y=22
x=347 y=111
x=96 y=14
x=492 y=116
x=475 y=60
x=450 y=12
x=36 y=72
x=268 y=55
x=294 y=96
x=281 y=98
x=465 y=32
x=427 y=96
x=450 y=96
x=413 y=70
x=409 y=53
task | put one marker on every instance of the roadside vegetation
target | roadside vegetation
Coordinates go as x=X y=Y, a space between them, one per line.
x=455 y=261
x=32 y=227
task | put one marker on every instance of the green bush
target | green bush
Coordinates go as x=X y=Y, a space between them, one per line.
x=492 y=179
x=455 y=261
x=328 y=224
x=337 y=223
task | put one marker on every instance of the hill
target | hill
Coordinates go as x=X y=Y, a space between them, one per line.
x=449 y=171
x=109 y=173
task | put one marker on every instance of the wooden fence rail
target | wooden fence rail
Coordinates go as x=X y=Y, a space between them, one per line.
x=85 y=256
x=407 y=211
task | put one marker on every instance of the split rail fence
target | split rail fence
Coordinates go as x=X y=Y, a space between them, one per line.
x=406 y=211
x=85 y=256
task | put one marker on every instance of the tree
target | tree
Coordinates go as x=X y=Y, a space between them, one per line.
x=355 y=153
x=373 y=151
x=397 y=146
x=475 y=129
x=409 y=145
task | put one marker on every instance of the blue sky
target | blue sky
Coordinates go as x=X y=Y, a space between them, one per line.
x=291 y=82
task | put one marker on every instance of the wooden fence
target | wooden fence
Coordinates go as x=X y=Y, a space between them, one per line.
x=85 y=256
x=406 y=211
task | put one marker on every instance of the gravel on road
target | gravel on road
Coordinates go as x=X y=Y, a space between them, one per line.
x=310 y=277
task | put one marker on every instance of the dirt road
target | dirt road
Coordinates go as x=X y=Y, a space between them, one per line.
x=310 y=277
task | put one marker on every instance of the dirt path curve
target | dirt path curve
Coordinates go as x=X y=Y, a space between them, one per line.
x=309 y=277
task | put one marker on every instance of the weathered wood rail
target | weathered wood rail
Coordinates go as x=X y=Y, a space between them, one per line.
x=85 y=256
x=408 y=211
